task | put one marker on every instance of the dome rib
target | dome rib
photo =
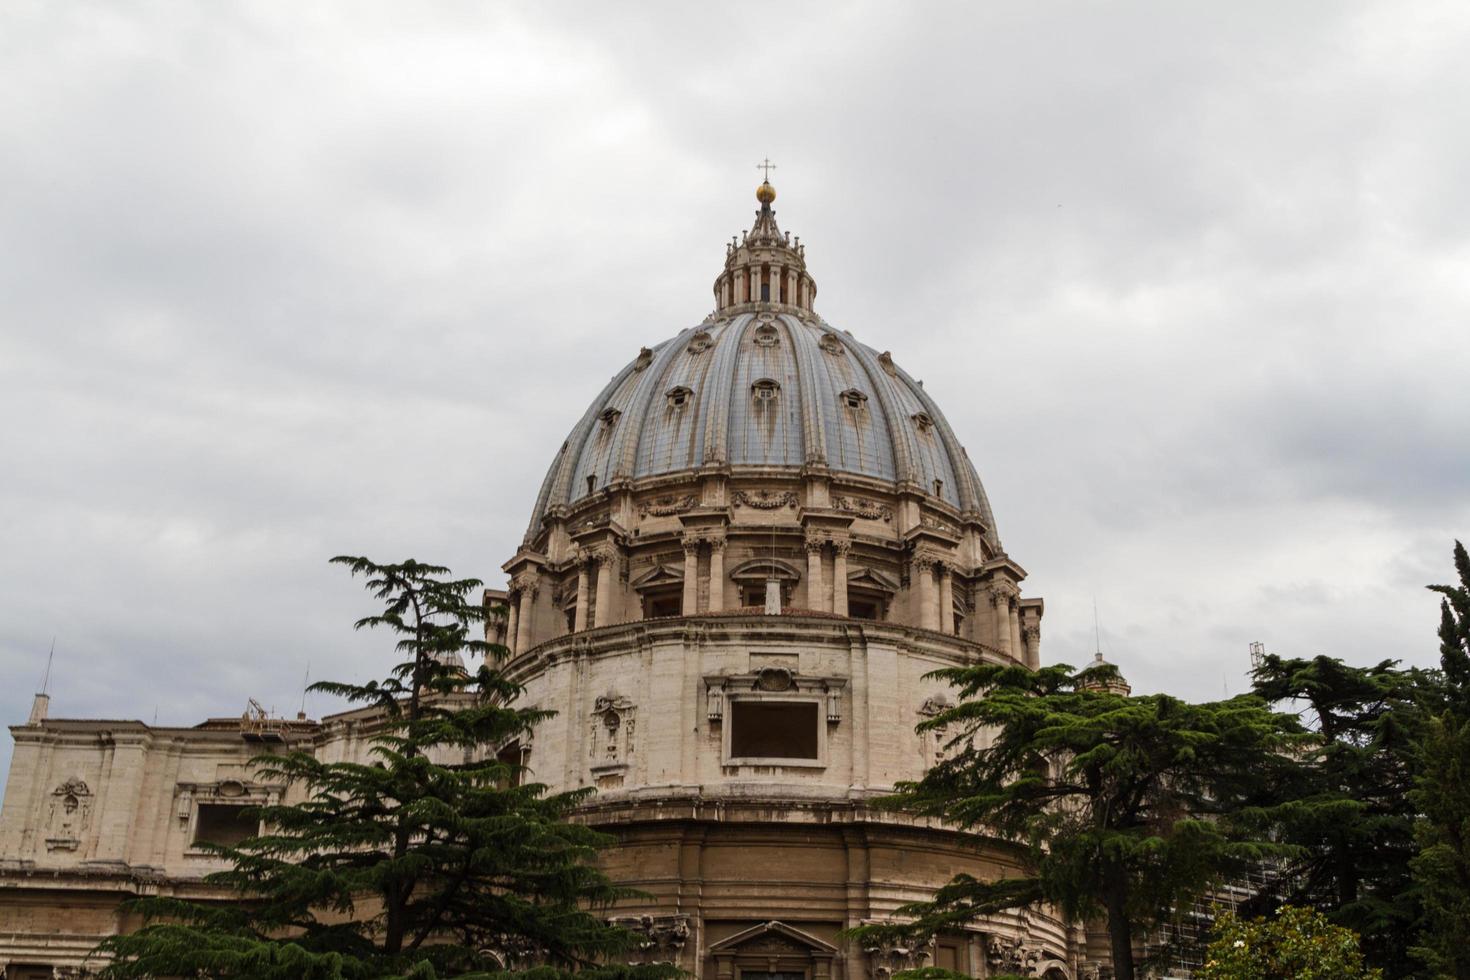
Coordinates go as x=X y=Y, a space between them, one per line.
x=722 y=379
x=624 y=458
x=813 y=406
x=905 y=446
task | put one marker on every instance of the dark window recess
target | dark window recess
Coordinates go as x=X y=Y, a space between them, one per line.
x=658 y=604
x=765 y=292
x=223 y=824
x=773 y=729
x=510 y=756
x=765 y=975
x=863 y=609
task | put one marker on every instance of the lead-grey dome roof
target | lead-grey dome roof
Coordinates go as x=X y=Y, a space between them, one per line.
x=764 y=391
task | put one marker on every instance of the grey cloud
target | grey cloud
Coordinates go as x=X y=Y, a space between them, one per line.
x=278 y=283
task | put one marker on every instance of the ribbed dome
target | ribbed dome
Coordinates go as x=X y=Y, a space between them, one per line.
x=769 y=392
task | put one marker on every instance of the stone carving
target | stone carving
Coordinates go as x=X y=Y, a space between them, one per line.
x=831 y=345
x=923 y=420
x=886 y=959
x=1014 y=954
x=764 y=499
x=614 y=721
x=774 y=679
x=775 y=944
x=934 y=704
x=885 y=361
x=69 y=815
x=667 y=505
x=645 y=358
x=661 y=938
x=699 y=343
x=937 y=524
x=766 y=336
x=870 y=509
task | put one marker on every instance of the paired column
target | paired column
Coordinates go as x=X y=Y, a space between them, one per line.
x=1017 y=650
x=584 y=590
x=1002 y=599
x=816 y=598
x=928 y=611
x=717 y=575
x=691 y=576
x=946 y=599
x=1031 y=636
x=512 y=619
x=839 y=576
x=523 y=624
x=606 y=572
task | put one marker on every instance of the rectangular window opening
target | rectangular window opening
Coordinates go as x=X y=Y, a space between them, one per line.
x=774 y=729
x=223 y=824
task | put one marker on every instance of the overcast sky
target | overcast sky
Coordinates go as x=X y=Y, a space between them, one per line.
x=279 y=281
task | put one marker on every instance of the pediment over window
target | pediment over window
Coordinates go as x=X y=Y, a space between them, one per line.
x=760 y=569
x=870 y=579
x=660 y=575
x=773 y=938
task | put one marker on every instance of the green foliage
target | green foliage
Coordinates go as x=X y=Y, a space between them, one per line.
x=1347 y=807
x=1442 y=793
x=429 y=860
x=1294 y=944
x=1124 y=806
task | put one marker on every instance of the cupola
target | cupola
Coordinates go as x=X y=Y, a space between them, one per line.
x=766 y=269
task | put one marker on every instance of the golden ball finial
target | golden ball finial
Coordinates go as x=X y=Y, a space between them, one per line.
x=765 y=193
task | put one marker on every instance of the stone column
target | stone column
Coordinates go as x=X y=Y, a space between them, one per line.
x=1017 y=650
x=523 y=623
x=839 y=576
x=1031 y=636
x=739 y=286
x=691 y=576
x=584 y=588
x=928 y=602
x=1002 y=599
x=717 y=575
x=513 y=600
x=816 y=598
x=606 y=572
x=946 y=599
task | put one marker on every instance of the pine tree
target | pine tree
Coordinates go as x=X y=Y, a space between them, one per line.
x=1124 y=806
x=1348 y=804
x=430 y=859
x=1442 y=793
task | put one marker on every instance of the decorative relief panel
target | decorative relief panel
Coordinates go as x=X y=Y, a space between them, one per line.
x=872 y=510
x=69 y=814
x=667 y=505
x=661 y=938
x=613 y=724
x=764 y=499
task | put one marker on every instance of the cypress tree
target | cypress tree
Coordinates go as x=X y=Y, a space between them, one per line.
x=1347 y=807
x=1128 y=807
x=1442 y=792
x=432 y=858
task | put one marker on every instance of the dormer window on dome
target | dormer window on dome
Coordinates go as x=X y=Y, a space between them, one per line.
x=766 y=335
x=923 y=421
x=831 y=345
x=854 y=399
x=765 y=390
x=699 y=343
x=679 y=396
x=610 y=417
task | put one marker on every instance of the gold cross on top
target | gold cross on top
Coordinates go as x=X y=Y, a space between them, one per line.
x=768 y=166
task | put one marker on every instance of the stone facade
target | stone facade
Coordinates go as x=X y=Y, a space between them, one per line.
x=742 y=564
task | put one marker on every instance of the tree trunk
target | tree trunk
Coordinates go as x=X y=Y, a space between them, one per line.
x=1120 y=932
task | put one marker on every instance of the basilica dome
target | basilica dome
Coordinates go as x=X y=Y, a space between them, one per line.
x=765 y=391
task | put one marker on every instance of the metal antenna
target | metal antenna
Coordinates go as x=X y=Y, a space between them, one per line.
x=305 y=683
x=46 y=677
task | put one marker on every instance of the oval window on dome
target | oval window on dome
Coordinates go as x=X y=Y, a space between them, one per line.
x=610 y=417
x=766 y=336
x=924 y=421
x=831 y=345
x=699 y=343
x=765 y=390
x=679 y=396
